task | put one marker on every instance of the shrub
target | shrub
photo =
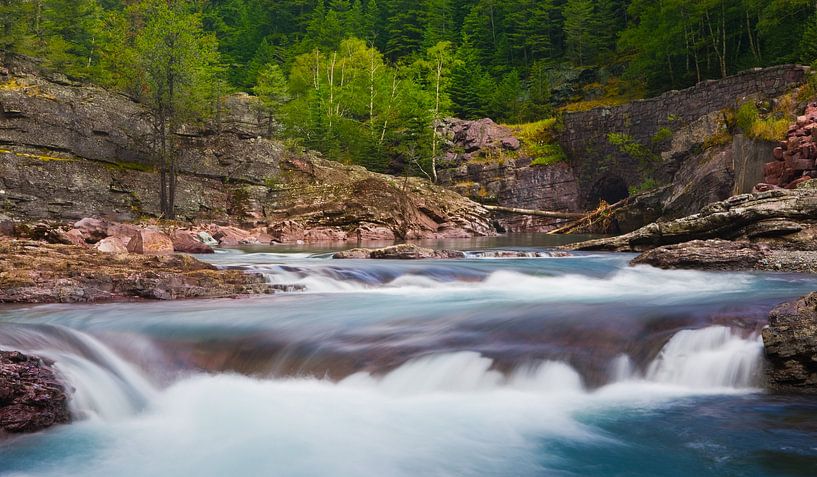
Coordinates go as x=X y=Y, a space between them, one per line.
x=746 y=116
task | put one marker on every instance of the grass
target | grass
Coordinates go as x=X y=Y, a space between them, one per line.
x=539 y=141
x=768 y=127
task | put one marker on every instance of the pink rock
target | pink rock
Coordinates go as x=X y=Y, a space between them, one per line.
x=76 y=237
x=185 y=242
x=374 y=233
x=325 y=234
x=287 y=231
x=123 y=231
x=94 y=230
x=150 y=242
x=111 y=245
x=778 y=153
x=233 y=236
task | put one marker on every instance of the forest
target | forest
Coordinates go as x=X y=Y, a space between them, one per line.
x=365 y=81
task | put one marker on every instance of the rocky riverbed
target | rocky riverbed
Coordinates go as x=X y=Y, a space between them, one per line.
x=37 y=272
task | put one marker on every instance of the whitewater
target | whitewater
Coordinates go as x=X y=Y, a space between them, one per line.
x=541 y=365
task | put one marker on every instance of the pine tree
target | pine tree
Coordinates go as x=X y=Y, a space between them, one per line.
x=578 y=30
x=404 y=29
x=271 y=88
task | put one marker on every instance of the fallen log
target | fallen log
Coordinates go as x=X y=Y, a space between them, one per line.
x=537 y=213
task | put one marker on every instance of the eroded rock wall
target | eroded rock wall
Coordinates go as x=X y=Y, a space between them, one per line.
x=594 y=157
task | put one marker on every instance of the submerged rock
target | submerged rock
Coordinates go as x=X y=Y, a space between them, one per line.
x=31 y=396
x=399 y=252
x=791 y=345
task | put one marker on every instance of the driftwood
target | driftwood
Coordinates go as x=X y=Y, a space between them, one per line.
x=601 y=214
x=537 y=213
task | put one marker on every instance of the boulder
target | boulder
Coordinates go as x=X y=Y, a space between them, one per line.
x=123 y=231
x=150 y=242
x=32 y=398
x=207 y=239
x=705 y=255
x=111 y=245
x=75 y=236
x=399 y=252
x=790 y=341
x=186 y=242
x=233 y=236
x=92 y=229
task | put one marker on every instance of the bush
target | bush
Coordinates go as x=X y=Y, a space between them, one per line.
x=746 y=116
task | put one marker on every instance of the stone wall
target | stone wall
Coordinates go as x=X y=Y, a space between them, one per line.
x=594 y=159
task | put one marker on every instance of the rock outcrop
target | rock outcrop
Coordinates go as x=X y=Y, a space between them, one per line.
x=728 y=256
x=784 y=219
x=71 y=151
x=791 y=345
x=36 y=272
x=398 y=252
x=32 y=398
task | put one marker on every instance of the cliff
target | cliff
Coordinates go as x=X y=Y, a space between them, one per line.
x=71 y=150
x=676 y=147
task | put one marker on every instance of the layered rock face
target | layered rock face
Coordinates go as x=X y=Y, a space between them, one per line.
x=795 y=156
x=784 y=219
x=791 y=345
x=31 y=396
x=69 y=151
x=684 y=114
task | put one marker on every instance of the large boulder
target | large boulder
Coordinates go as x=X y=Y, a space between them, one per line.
x=111 y=245
x=791 y=345
x=150 y=242
x=32 y=398
x=186 y=242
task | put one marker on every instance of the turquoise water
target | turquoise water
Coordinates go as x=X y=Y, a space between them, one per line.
x=564 y=366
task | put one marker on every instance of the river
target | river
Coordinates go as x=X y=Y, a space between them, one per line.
x=537 y=366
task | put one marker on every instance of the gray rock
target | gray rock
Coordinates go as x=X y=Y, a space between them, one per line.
x=791 y=345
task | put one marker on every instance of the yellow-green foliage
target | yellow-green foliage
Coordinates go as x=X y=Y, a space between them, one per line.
x=771 y=127
x=616 y=92
x=539 y=141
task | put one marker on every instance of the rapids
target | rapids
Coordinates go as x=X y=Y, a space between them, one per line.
x=479 y=367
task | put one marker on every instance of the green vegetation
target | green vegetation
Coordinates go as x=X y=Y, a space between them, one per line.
x=364 y=81
x=769 y=127
x=628 y=145
x=550 y=154
x=648 y=185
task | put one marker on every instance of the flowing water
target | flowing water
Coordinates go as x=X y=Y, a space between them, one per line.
x=536 y=366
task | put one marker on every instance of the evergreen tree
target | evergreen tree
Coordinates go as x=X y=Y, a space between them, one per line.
x=578 y=30
x=176 y=59
x=271 y=88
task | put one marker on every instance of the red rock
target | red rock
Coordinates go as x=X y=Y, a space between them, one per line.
x=795 y=183
x=762 y=187
x=185 y=242
x=325 y=234
x=233 y=236
x=287 y=231
x=123 y=231
x=773 y=168
x=111 y=245
x=371 y=232
x=778 y=153
x=76 y=237
x=150 y=242
x=32 y=398
x=94 y=230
